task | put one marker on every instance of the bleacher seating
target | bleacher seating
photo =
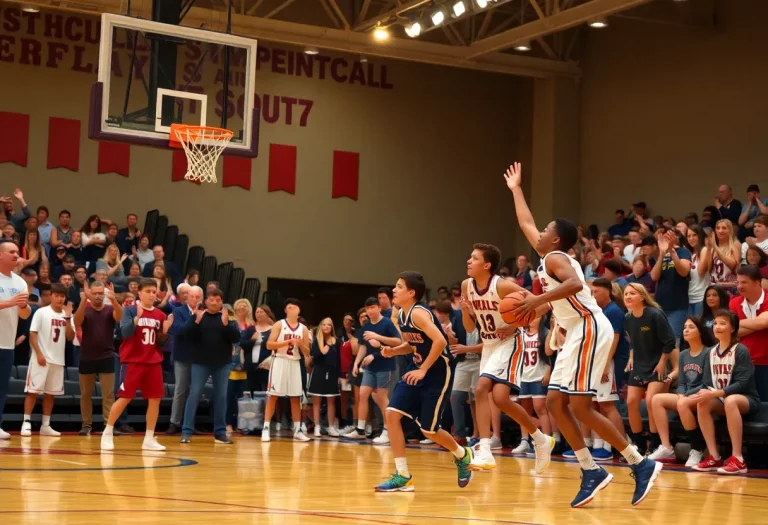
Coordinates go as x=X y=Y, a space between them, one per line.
x=195 y=258
x=252 y=290
x=162 y=226
x=235 y=289
x=180 y=253
x=150 y=223
x=208 y=270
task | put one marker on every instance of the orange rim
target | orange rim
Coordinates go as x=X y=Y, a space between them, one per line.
x=209 y=132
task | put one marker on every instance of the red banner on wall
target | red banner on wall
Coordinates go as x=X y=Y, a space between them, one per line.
x=346 y=171
x=14 y=138
x=237 y=172
x=63 y=143
x=282 y=168
x=114 y=157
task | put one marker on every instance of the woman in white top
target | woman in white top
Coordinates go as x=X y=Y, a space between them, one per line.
x=726 y=254
x=701 y=263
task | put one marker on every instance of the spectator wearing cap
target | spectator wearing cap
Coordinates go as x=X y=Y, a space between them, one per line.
x=671 y=271
x=641 y=217
x=751 y=307
x=728 y=207
x=622 y=225
x=63 y=263
x=751 y=210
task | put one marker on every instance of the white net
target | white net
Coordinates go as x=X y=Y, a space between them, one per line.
x=203 y=147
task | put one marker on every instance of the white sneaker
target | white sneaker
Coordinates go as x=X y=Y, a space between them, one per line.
x=425 y=441
x=300 y=436
x=383 y=439
x=346 y=430
x=46 y=430
x=26 y=429
x=544 y=454
x=333 y=432
x=663 y=455
x=368 y=429
x=278 y=427
x=482 y=460
x=304 y=428
x=495 y=443
x=152 y=444
x=523 y=448
x=694 y=458
x=107 y=442
x=353 y=434
x=318 y=434
x=4 y=434
x=265 y=435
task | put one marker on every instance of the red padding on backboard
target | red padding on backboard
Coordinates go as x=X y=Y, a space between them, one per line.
x=14 y=138
x=346 y=170
x=114 y=157
x=179 y=167
x=63 y=143
x=237 y=172
x=282 y=168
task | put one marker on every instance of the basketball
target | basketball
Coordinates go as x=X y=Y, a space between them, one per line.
x=512 y=318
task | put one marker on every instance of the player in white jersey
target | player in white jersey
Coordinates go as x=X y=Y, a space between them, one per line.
x=49 y=332
x=502 y=357
x=584 y=354
x=289 y=342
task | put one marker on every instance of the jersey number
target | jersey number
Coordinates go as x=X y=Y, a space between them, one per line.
x=489 y=325
x=56 y=334
x=148 y=337
x=532 y=360
x=722 y=383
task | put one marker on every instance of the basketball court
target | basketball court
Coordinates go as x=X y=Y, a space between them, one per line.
x=67 y=480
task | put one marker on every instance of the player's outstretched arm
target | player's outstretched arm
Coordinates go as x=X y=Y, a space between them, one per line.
x=514 y=180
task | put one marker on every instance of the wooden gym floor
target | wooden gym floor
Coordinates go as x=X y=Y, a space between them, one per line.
x=66 y=480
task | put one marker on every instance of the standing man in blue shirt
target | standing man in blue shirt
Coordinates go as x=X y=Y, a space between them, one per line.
x=378 y=372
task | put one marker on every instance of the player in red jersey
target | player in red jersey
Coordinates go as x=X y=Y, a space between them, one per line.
x=143 y=327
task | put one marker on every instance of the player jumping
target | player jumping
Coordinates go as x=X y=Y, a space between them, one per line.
x=424 y=390
x=580 y=364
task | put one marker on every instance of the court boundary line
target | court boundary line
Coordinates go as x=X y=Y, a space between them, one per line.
x=182 y=462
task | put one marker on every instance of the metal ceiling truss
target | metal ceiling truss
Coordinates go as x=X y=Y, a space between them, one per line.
x=480 y=38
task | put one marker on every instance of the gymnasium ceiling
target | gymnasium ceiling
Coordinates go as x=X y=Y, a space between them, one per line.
x=481 y=39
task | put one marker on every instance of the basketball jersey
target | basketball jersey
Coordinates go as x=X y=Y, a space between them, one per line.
x=419 y=340
x=571 y=310
x=721 y=366
x=143 y=347
x=486 y=303
x=721 y=273
x=534 y=368
x=51 y=334
x=288 y=332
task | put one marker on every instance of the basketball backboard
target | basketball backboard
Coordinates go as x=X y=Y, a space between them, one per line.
x=152 y=75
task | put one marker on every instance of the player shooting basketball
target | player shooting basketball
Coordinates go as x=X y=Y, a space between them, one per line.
x=580 y=364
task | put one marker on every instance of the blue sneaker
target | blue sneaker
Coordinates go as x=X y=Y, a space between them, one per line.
x=645 y=473
x=592 y=481
x=569 y=454
x=465 y=475
x=396 y=483
x=602 y=455
x=472 y=442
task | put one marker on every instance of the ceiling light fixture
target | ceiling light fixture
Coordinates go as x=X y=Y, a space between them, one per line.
x=413 y=29
x=598 y=23
x=482 y=4
x=30 y=9
x=438 y=17
x=311 y=50
x=459 y=9
x=380 y=34
x=523 y=47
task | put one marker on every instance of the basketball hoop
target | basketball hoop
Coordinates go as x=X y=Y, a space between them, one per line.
x=203 y=146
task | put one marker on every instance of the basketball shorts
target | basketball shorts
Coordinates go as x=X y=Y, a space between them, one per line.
x=144 y=379
x=641 y=378
x=48 y=379
x=285 y=378
x=532 y=390
x=502 y=362
x=466 y=375
x=425 y=401
x=581 y=361
x=377 y=380
x=609 y=390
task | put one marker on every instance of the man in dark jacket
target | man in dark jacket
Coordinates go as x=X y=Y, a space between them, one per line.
x=212 y=336
x=182 y=355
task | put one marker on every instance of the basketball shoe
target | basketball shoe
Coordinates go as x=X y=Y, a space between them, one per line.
x=396 y=483
x=462 y=465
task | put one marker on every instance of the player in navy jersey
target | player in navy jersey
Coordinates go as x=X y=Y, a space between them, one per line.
x=143 y=328
x=425 y=388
